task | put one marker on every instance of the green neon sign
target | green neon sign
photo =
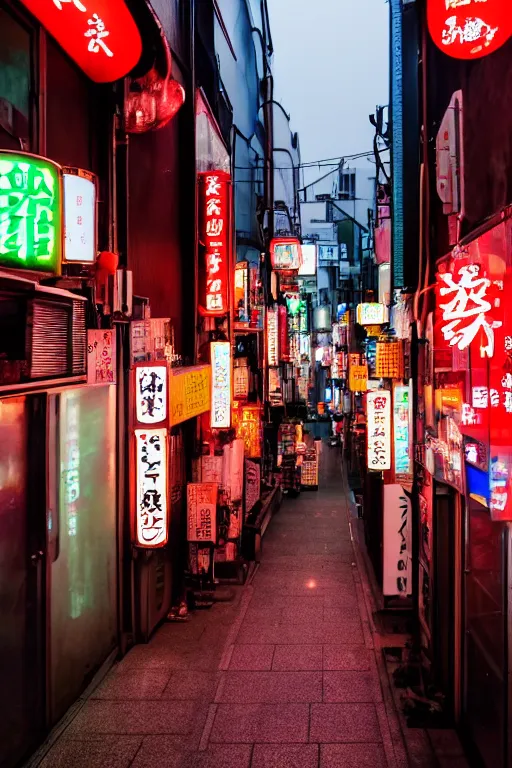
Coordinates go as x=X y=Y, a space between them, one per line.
x=30 y=213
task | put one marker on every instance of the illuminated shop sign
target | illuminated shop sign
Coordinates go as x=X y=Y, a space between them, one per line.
x=242 y=292
x=220 y=414
x=379 y=430
x=247 y=421
x=285 y=253
x=469 y=29
x=469 y=303
x=151 y=515
x=273 y=337
x=214 y=201
x=189 y=392
x=358 y=378
x=151 y=394
x=372 y=313
x=79 y=217
x=99 y=35
x=30 y=213
x=308 y=266
x=401 y=430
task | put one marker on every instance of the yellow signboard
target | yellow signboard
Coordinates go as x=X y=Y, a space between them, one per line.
x=358 y=378
x=189 y=392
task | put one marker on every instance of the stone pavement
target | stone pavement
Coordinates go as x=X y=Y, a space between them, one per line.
x=284 y=677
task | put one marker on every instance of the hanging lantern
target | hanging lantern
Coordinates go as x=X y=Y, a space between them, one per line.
x=322 y=318
x=153 y=99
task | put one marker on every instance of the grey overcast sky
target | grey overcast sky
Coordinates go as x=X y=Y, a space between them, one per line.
x=330 y=70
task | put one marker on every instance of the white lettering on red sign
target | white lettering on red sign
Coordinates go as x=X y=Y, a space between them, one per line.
x=76 y=3
x=466 y=311
x=215 y=205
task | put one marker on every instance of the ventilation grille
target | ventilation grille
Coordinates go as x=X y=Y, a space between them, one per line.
x=79 y=338
x=50 y=340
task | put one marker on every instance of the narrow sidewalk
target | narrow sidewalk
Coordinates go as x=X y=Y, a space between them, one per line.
x=285 y=677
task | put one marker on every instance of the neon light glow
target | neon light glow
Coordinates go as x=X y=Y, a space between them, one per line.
x=99 y=35
x=215 y=233
x=151 y=517
x=220 y=414
x=469 y=29
x=30 y=213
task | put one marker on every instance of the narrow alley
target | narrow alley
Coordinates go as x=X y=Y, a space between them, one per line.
x=284 y=677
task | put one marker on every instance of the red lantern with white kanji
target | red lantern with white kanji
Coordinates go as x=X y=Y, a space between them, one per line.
x=469 y=29
x=99 y=35
x=215 y=237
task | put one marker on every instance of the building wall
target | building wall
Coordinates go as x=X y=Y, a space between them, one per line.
x=487 y=126
x=286 y=162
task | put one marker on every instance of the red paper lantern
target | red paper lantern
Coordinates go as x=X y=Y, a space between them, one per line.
x=469 y=29
x=107 y=262
x=99 y=35
x=152 y=103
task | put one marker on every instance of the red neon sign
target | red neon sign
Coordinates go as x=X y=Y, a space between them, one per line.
x=469 y=29
x=469 y=301
x=99 y=35
x=214 y=211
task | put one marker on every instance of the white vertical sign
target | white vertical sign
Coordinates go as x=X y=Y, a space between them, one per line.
x=272 y=338
x=151 y=468
x=220 y=417
x=378 y=405
x=79 y=218
x=397 y=566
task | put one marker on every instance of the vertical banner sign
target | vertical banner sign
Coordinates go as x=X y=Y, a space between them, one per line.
x=202 y=512
x=214 y=213
x=273 y=338
x=99 y=35
x=252 y=484
x=151 y=517
x=151 y=394
x=284 y=336
x=79 y=217
x=397 y=567
x=30 y=213
x=402 y=431
x=379 y=430
x=220 y=415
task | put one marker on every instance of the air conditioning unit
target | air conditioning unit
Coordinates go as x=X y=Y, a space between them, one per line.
x=450 y=163
x=45 y=336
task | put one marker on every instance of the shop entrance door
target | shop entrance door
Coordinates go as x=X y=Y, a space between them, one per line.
x=485 y=688
x=447 y=598
x=82 y=615
x=22 y=522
